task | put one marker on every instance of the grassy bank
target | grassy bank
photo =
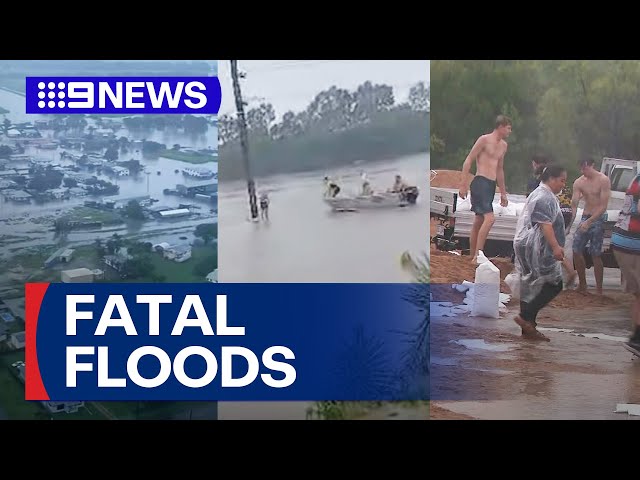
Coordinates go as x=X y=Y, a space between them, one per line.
x=195 y=158
x=180 y=272
x=12 y=391
x=12 y=400
x=79 y=214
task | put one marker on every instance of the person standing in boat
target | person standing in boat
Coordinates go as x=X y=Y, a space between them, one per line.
x=332 y=188
x=366 y=186
x=264 y=206
x=399 y=185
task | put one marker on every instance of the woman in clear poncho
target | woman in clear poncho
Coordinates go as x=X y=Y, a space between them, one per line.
x=539 y=249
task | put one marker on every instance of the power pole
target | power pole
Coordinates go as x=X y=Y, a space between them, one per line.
x=244 y=142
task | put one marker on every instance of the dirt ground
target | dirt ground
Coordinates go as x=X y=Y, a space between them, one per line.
x=437 y=412
x=448 y=268
x=449 y=179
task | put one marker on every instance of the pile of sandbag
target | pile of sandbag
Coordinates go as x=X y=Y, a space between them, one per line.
x=483 y=297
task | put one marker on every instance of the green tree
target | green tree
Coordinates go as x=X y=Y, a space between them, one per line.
x=69 y=182
x=5 y=151
x=101 y=251
x=207 y=231
x=134 y=211
x=206 y=265
x=111 y=154
x=138 y=267
x=114 y=244
x=419 y=97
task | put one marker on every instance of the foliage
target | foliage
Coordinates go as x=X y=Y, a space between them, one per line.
x=338 y=127
x=45 y=179
x=206 y=265
x=111 y=154
x=565 y=109
x=414 y=376
x=134 y=211
x=207 y=231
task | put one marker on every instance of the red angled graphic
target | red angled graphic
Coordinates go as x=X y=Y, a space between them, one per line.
x=34 y=388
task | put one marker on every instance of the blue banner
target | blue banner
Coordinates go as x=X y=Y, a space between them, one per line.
x=227 y=342
x=123 y=95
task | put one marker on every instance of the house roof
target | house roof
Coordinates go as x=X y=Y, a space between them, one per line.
x=115 y=258
x=17 y=193
x=181 y=248
x=179 y=211
x=213 y=275
x=78 y=272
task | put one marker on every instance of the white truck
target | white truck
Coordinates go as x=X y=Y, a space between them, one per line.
x=453 y=217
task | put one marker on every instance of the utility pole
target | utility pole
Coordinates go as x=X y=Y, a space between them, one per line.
x=244 y=142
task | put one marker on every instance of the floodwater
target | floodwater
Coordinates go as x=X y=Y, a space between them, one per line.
x=305 y=242
x=160 y=173
x=574 y=376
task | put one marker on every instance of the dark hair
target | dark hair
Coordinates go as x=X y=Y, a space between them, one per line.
x=503 y=121
x=587 y=161
x=540 y=159
x=552 y=171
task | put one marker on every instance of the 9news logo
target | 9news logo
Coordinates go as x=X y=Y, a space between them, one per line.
x=128 y=95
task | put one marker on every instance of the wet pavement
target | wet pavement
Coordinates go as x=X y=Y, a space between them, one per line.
x=483 y=368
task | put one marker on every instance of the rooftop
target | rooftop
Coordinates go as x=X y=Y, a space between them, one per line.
x=179 y=211
x=181 y=248
x=78 y=272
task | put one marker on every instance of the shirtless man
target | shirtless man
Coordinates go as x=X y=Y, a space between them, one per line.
x=594 y=188
x=488 y=152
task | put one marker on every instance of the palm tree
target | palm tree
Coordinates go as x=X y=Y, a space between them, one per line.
x=365 y=354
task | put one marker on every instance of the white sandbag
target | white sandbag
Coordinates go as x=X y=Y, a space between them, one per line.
x=513 y=282
x=509 y=210
x=486 y=291
x=464 y=204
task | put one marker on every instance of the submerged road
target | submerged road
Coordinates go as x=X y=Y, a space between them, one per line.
x=482 y=367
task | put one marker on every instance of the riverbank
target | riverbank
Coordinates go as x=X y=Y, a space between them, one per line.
x=195 y=158
x=388 y=136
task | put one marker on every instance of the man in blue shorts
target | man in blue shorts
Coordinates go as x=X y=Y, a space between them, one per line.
x=594 y=188
x=488 y=153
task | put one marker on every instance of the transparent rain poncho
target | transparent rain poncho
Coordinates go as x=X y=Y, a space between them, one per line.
x=534 y=257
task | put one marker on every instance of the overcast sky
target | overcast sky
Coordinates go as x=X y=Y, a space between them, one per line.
x=292 y=84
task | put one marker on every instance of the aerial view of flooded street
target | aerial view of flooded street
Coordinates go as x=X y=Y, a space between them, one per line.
x=84 y=198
